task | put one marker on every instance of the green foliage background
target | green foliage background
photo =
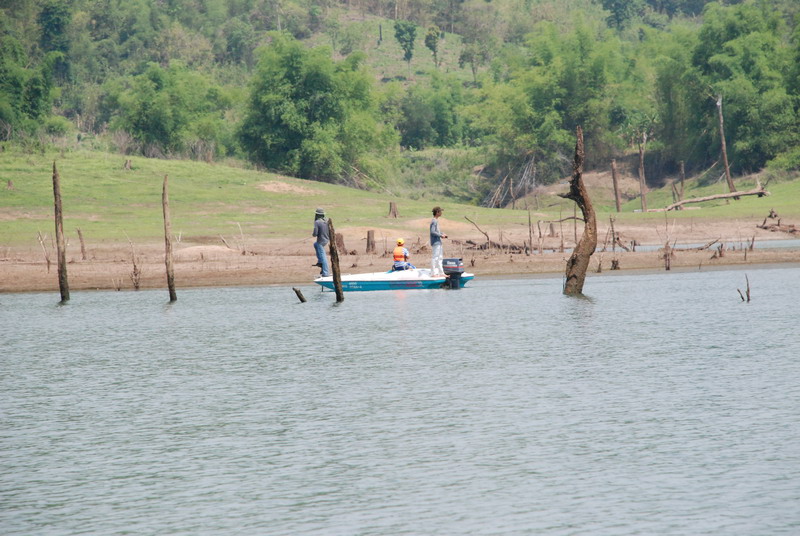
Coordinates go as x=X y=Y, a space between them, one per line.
x=364 y=94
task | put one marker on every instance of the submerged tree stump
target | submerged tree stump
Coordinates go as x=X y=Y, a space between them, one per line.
x=578 y=262
x=299 y=294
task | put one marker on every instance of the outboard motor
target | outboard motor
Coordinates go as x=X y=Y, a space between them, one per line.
x=453 y=268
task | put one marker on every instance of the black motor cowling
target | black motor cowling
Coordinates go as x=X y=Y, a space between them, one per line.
x=453 y=269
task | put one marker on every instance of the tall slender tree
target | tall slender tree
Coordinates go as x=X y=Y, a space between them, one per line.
x=406 y=33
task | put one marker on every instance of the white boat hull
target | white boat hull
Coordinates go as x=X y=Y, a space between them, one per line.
x=418 y=278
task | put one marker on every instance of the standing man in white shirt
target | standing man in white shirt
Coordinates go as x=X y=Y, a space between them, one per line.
x=436 y=244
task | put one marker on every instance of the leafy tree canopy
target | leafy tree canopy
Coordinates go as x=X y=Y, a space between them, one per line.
x=309 y=116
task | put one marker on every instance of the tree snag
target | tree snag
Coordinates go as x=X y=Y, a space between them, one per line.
x=578 y=262
x=614 y=181
x=168 y=243
x=47 y=253
x=337 y=275
x=724 y=148
x=642 y=143
x=370 y=241
x=63 y=284
x=484 y=233
x=530 y=234
x=83 y=244
x=299 y=294
x=339 y=239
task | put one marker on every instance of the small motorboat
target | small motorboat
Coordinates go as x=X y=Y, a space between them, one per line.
x=415 y=278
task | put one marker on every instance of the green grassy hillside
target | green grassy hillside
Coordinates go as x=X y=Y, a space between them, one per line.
x=207 y=200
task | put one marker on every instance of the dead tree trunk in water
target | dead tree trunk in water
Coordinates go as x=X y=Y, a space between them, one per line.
x=337 y=275
x=63 y=283
x=299 y=295
x=578 y=262
x=168 y=244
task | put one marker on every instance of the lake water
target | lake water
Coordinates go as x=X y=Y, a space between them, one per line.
x=662 y=404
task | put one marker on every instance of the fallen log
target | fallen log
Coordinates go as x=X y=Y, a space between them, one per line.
x=778 y=227
x=701 y=248
x=760 y=192
x=491 y=245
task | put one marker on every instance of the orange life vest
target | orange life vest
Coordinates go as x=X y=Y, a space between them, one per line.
x=399 y=254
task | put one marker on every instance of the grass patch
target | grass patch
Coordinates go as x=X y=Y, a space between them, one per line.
x=109 y=203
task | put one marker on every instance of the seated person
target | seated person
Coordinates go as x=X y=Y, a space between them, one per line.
x=400 y=256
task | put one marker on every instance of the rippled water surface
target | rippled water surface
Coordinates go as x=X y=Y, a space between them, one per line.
x=662 y=404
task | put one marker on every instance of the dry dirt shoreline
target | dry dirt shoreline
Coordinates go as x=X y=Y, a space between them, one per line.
x=289 y=261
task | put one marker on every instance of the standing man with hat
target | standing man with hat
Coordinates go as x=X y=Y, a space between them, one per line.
x=323 y=237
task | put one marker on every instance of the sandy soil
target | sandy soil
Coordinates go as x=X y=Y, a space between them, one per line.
x=289 y=261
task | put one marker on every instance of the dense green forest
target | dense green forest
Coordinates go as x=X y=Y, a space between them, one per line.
x=450 y=96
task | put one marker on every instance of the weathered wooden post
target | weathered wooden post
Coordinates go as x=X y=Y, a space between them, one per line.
x=337 y=275
x=339 y=239
x=541 y=237
x=370 y=241
x=579 y=260
x=530 y=234
x=613 y=236
x=674 y=192
x=683 y=181
x=168 y=243
x=83 y=244
x=63 y=284
x=47 y=253
x=616 y=184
